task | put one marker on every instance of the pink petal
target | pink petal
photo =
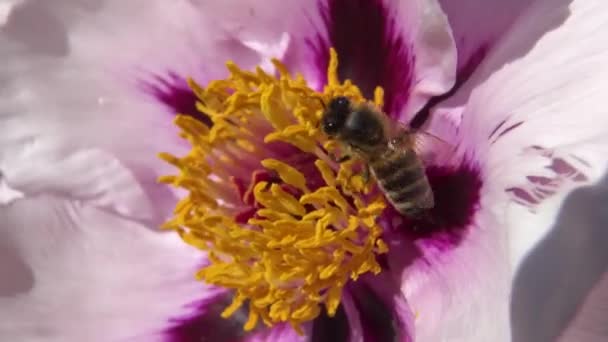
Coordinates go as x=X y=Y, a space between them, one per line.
x=456 y=283
x=535 y=126
x=404 y=46
x=92 y=176
x=538 y=124
x=477 y=25
x=71 y=93
x=79 y=273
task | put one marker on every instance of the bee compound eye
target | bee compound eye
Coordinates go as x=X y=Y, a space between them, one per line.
x=342 y=102
x=329 y=127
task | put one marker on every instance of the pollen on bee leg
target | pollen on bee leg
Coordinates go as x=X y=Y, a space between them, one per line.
x=307 y=229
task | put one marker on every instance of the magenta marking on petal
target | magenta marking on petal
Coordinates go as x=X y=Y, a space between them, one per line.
x=457 y=194
x=522 y=196
x=563 y=168
x=173 y=92
x=540 y=180
x=500 y=124
x=580 y=160
x=507 y=130
x=537 y=188
x=206 y=324
x=371 y=50
x=464 y=74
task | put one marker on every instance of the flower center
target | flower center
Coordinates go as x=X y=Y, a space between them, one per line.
x=284 y=226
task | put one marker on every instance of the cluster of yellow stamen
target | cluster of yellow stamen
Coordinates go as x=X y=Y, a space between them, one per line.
x=301 y=247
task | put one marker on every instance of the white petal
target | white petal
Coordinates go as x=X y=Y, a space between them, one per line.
x=74 y=115
x=89 y=67
x=477 y=25
x=93 y=176
x=535 y=123
x=461 y=293
x=269 y=51
x=542 y=114
x=8 y=194
x=6 y=7
x=435 y=52
x=92 y=275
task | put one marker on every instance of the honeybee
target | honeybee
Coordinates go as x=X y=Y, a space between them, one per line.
x=386 y=148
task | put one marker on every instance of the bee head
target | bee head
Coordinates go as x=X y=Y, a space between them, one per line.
x=335 y=115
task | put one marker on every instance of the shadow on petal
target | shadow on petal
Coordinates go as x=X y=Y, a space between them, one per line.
x=17 y=276
x=36 y=26
x=162 y=199
x=555 y=278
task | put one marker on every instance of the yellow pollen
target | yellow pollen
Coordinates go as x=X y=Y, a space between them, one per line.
x=283 y=226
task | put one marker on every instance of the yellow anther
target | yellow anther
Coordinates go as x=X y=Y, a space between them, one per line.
x=288 y=202
x=382 y=247
x=333 y=194
x=326 y=172
x=287 y=173
x=196 y=89
x=280 y=68
x=379 y=97
x=332 y=69
x=237 y=302
x=252 y=320
x=246 y=145
x=286 y=253
x=272 y=108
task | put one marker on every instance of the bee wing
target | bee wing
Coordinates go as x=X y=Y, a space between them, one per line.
x=431 y=148
x=427 y=146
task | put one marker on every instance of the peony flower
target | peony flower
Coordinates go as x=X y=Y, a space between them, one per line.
x=266 y=237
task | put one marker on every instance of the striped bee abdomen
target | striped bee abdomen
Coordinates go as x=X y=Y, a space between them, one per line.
x=400 y=175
